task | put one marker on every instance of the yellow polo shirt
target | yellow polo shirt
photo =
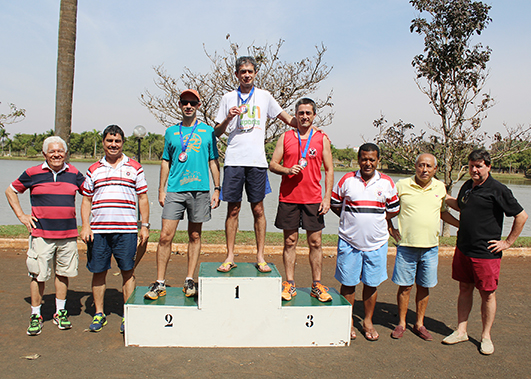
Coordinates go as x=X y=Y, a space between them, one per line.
x=420 y=212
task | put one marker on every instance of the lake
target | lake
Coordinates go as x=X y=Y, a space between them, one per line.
x=11 y=169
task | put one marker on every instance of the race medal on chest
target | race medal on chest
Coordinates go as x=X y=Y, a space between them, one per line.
x=183 y=157
x=303 y=162
x=243 y=109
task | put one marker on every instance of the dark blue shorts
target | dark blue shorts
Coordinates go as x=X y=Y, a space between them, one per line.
x=236 y=177
x=121 y=245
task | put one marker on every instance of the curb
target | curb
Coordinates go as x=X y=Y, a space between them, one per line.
x=181 y=248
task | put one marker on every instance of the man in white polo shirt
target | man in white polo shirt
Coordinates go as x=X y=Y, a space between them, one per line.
x=422 y=205
x=364 y=200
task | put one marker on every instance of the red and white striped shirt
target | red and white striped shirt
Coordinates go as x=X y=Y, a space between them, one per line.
x=363 y=209
x=114 y=193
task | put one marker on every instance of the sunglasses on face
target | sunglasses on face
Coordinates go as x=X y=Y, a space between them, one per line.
x=193 y=103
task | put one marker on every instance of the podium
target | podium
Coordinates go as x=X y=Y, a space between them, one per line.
x=241 y=308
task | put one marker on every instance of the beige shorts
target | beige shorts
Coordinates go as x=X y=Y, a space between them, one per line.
x=46 y=254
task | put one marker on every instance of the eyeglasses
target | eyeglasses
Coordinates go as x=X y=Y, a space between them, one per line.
x=193 y=103
x=466 y=196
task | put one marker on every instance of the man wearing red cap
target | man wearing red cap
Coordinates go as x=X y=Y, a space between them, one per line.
x=189 y=152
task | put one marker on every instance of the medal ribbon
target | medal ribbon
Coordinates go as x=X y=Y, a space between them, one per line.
x=248 y=97
x=303 y=153
x=184 y=145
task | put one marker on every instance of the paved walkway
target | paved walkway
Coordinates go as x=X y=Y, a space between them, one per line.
x=79 y=354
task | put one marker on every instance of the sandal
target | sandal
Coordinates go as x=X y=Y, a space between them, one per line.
x=263 y=267
x=227 y=266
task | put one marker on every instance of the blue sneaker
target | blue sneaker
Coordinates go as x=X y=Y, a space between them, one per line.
x=98 y=322
x=122 y=326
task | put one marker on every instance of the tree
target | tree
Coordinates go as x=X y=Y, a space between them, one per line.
x=452 y=73
x=287 y=82
x=65 y=68
x=15 y=115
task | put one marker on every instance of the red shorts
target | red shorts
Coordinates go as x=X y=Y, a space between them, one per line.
x=484 y=273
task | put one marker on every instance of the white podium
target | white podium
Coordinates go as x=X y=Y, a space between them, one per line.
x=241 y=308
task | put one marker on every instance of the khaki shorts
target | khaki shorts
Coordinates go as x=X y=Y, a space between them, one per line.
x=45 y=254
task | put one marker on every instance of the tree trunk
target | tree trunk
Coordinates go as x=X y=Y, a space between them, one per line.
x=65 y=69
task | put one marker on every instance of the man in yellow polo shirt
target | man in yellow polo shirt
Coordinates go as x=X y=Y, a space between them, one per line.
x=422 y=205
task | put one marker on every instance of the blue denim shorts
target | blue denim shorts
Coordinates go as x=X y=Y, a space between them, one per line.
x=416 y=265
x=254 y=179
x=353 y=265
x=121 y=245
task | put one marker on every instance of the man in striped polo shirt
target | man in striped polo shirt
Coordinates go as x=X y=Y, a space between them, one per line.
x=364 y=200
x=110 y=191
x=52 y=226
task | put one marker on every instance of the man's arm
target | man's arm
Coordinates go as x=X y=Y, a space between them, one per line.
x=164 y=172
x=143 y=207
x=214 y=170
x=220 y=128
x=287 y=119
x=452 y=203
x=395 y=233
x=518 y=224
x=27 y=220
x=450 y=219
x=86 y=231
x=278 y=155
x=329 y=176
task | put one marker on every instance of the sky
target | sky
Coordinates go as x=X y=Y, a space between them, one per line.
x=369 y=47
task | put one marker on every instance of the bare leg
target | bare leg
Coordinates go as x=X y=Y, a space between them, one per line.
x=421 y=299
x=349 y=292
x=61 y=287
x=488 y=311
x=128 y=283
x=402 y=299
x=289 y=254
x=194 y=247
x=36 y=292
x=164 y=247
x=259 y=229
x=370 y=295
x=464 y=305
x=98 y=290
x=231 y=227
x=316 y=253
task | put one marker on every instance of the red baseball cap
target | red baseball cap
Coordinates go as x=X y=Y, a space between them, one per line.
x=193 y=92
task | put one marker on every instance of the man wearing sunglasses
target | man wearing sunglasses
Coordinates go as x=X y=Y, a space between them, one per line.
x=243 y=114
x=482 y=202
x=189 y=152
x=301 y=204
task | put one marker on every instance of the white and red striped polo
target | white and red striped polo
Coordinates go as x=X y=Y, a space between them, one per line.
x=114 y=193
x=363 y=209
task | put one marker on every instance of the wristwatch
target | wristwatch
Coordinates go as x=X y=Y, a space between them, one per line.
x=217 y=188
x=147 y=225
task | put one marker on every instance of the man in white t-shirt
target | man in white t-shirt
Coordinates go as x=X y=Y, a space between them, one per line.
x=243 y=114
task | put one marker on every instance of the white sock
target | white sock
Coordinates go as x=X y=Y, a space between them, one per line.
x=188 y=278
x=36 y=310
x=59 y=304
x=163 y=282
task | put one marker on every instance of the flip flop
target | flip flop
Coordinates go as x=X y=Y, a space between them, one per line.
x=227 y=266
x=262 y=267
x=371 y=335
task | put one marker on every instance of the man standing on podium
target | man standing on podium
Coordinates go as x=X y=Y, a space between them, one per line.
x=189 y=152
x=301 y=203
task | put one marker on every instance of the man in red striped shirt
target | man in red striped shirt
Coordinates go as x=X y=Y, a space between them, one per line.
x=110 y=192
x=52 y=226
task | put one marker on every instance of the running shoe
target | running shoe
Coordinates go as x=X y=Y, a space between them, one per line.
x=35 y=326
x=98 y=322
x=122 y=326
x=288 y=291
x=321 y=292
x=189 y=288
x=156 y=290
x=61 y=319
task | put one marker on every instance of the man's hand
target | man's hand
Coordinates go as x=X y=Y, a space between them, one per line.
x=497 y=246
x=295 y=170
x=28 y=221
x=233 y=112
x=87 y=234
x=162 y=196
x=144 y=235
x=215 y=200
x=324 y=207
x=395 y=233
